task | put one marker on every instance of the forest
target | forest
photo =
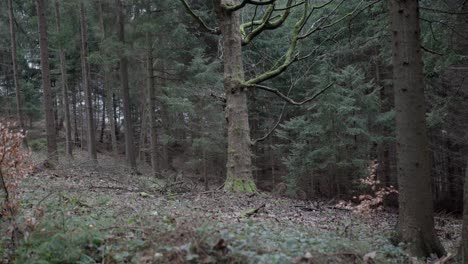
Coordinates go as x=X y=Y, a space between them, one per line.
x=234 y=131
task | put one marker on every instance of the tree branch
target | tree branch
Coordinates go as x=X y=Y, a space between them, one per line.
x=267 y=23
x=431 y=51
x=321 y=26
x=232 y=8
x=286 y=98
x=442 y=11
x=280 y=118
x=289 y=56
x=200 y=21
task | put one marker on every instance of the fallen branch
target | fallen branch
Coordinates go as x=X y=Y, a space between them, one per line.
x=308 y=209
x=252 y=212
x=114 y=188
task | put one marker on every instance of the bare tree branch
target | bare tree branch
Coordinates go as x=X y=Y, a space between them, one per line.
x=431 y=51
x=266 y=23
x=289 y=56
x=200 y=21
x=442 y=11
x=280 y=118
x=232 y=8
x=286 y=98
x=321 y=26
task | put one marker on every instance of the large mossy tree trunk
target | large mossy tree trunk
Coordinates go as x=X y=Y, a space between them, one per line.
x=239 y=157
x=52 y=154
x=416 y=221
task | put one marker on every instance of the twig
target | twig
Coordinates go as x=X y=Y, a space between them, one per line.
x=253 y=211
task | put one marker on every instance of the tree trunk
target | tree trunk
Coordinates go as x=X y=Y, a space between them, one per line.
x=464 y=243
x=151 y=108
x=19 y=92
x=103 y=120
x=143 y=129
x=63 y=70
x=107 y=87
x=128 y=124
x=239 y=157
x=48 y=103
x=76 y=133
x=86 y=86
x=416 y=222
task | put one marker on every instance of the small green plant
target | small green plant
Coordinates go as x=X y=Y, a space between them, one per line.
x=39 y=144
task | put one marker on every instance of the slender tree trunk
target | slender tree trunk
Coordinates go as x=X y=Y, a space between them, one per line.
x=48 y=103
x=103 y=120
x=76 y=133
x=19 y=92
x=464 y=246
x=128 y=124
x=91 y=140
x=239 y=156
x=151 y=108
x=416 y=221
x=63 y=70
x=165 y=117
x=143 y=130
x=110 y=112
x=107 y=87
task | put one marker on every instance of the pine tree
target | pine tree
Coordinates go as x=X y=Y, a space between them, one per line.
x=416 y=221
x=91 y=138
x=52 y=154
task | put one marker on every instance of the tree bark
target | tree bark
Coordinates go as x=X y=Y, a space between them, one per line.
x=465 y=220
x=76 y=133
x=107 y=87
x=239 y=156
x=416 y=221
x=103 y=120
x=151 y=108
x=63 y=70
x=45 y=69
x=91 y=140
x=128 y=124
x=19 y=92
x=143 y=129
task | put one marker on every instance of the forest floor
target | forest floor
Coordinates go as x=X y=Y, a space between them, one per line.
x=82 y=213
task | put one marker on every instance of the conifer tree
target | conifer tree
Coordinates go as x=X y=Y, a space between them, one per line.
x=416 y=220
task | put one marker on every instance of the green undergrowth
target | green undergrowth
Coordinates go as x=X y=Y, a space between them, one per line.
x=75 y=231
x=267 y=242
x=39 y=144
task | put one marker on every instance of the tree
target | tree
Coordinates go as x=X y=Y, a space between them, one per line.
x=109 y=102
x=130 y=154
x=46 y=85
x=328 y=145
x=91 y=140
x=465 y=220
x=19 y=92
x=63 y=71
x=151 y=105
x=235 y=35
x=416 y=222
